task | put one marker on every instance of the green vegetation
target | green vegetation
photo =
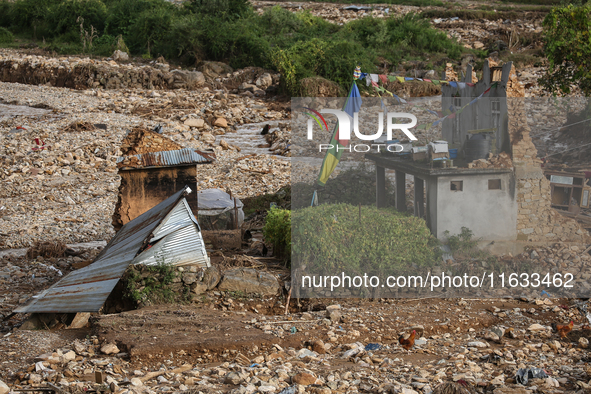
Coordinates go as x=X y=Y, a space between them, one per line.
x=277 y=230
x=567 y=36
x=281 y=198
x=463 y=242
x=353 y=186
x=339 y=237
x=6 y=37
x=153 y=284
x=465 y=247
x=299 y=45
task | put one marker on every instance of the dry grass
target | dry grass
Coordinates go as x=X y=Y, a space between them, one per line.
x=320 y=87
x=79 y=126
x=414 y=89
x=46 y=250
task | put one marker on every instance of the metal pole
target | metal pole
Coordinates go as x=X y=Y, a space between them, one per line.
x=235 y=215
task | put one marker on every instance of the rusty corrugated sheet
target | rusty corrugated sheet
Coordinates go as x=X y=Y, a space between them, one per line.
x=179 y=241
x=169 y=158
x=86 y=289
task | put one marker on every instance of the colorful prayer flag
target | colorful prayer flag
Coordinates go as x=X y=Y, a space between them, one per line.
x=333 y=155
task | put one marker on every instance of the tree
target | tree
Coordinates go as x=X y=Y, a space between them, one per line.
x=567 y=39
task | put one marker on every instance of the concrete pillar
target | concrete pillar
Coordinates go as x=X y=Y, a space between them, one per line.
x=419 y=203
x=400 y=191
x=380 y=187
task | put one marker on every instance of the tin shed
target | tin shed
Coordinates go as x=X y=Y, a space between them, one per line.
x=168 y=232
x=149 y=178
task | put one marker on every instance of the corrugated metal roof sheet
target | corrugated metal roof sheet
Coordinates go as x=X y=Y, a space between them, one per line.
x=86 y=289
x=166 y=158
x=180 y=217
x=182 y=247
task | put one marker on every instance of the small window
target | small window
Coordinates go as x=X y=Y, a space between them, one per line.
x=494 y=184
x=457 y=186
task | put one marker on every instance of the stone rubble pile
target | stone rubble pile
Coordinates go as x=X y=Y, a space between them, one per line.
x=336 y=13
x=502 y=160
x=562 y=257
x=280 y=140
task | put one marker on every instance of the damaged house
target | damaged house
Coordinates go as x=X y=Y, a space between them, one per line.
x=167 y=233
x=151 y=168
x=493 y=183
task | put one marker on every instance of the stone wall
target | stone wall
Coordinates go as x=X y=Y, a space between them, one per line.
x=537 y=221
x=85 y=73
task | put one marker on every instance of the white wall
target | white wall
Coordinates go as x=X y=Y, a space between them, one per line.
x=490 y=214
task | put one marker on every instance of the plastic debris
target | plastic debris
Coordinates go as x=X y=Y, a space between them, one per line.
x=525 y=374
x=372 y=346
x=357 y=8
x=289 y=390
x=293 y=330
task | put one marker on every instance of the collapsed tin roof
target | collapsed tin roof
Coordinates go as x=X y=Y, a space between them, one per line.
x=163 y=226
x=180 y=157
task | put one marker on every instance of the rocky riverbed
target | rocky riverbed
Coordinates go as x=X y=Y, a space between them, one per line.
x=59 y=181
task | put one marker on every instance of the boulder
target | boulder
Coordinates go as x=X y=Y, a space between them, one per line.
x=69 y=356
x=187 y=79
x=214 y=70
x=247 y=86
x=199 y=123
x=232 y=378
x=536 y=327
x=120 y=56
x=264 y=81
x=208 y=138
x=211 y=277
x=199 y=288
x=221 y=122
x=303 y=378
x=4 y=389
x=249 y=280
x=80 y=320
x=189 y=278
x=110 y=348
x=318 y=347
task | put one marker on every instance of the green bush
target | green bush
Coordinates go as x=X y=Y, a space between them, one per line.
x=6 y=36
x=104 y=45
x=335 y=238
x=64 y=18
x=353 y=186
x=278 y=21
x=298 y=45
x=226 y=10
x=30 y=13
x=147 y=285
x=149 y=31
x=123 y=14
x=277 y=230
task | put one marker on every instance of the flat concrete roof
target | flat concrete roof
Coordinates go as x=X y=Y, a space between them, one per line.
x=423 y=170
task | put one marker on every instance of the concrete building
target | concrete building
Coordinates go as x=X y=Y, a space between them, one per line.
x=481 y=199
x=510 y=201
